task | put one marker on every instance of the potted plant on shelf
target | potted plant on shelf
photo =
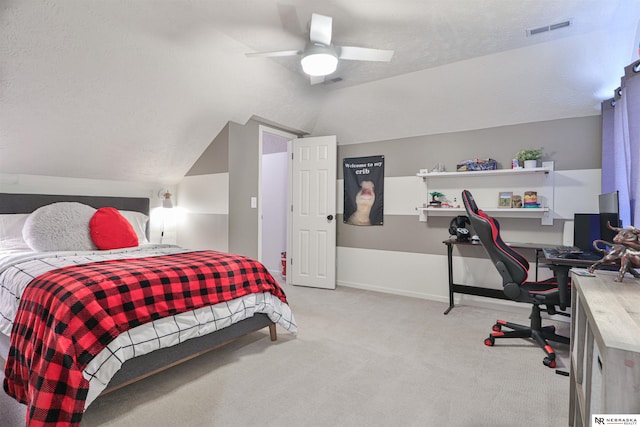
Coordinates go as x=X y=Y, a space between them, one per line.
x=529 y=157
x=434 y=203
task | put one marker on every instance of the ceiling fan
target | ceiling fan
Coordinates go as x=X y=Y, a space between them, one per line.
x=320 y=57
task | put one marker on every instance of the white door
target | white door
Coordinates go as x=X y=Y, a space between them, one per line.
x=312 y=258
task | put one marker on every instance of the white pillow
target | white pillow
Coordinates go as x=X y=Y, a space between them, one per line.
x=62 y=226
x=138 y=221
x=11 y=231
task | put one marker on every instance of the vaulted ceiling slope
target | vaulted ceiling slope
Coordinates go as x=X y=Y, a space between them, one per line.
x=136 y=90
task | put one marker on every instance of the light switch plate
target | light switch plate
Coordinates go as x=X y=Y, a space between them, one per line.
x=254 y=202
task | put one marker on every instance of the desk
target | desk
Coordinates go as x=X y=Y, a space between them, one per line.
x=484 y=292
x=605 y=347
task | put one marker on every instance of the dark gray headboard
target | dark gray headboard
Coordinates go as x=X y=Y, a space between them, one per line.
x=11 y=203
x=27 y=203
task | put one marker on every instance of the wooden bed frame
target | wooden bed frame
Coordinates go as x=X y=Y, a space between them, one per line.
x=143 y=366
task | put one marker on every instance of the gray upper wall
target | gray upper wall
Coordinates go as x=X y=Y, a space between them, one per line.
x=233 y=151
x=215 y=159
x=573 y=143
x=243 y=184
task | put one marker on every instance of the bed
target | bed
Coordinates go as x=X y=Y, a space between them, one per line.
x=155 y=317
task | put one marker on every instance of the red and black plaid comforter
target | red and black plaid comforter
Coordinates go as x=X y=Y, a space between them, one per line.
x=67 y=316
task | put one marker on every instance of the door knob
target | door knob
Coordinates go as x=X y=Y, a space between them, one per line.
x=330 y=217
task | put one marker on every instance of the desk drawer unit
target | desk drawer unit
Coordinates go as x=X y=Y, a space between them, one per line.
x=605 y=347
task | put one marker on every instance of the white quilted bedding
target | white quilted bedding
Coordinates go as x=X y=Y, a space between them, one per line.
x=17 y=269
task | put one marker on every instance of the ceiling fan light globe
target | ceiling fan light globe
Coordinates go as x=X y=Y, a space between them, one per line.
x=319 y=64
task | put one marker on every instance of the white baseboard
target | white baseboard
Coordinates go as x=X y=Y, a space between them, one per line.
x=393 y=291
x=458 y=299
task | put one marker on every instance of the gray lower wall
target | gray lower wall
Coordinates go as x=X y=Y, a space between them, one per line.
x=404 y=233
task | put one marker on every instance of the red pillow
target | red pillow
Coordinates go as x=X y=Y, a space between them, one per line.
x=110 y=230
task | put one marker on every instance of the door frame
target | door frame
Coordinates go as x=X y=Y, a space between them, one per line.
x=288 y=135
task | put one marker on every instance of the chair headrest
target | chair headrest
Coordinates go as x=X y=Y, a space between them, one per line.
x=469 y=201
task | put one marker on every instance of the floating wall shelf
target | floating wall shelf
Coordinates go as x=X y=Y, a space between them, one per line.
x=541 y=180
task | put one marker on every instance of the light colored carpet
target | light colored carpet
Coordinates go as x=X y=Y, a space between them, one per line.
x=360 y=359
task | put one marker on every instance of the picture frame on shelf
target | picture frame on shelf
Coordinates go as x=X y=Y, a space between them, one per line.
x=516 y=201
x=504 y=199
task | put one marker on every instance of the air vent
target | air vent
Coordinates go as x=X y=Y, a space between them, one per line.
x=538 y=31
x=546 y=28
x=559 y=25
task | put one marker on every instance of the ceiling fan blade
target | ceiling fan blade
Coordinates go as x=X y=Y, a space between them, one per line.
x=364 y=54
x=273 y=54
x=316 y=79
x=320 y=29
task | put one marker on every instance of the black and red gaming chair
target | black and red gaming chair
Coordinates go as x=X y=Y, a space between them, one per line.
x=514 y=269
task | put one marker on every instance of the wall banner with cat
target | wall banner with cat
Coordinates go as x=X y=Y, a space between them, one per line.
x=364 y=190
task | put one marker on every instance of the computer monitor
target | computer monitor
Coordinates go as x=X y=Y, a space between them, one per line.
x=609 y=212
x=586 y=229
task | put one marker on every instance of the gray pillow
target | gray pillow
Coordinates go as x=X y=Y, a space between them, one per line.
x=62 y=226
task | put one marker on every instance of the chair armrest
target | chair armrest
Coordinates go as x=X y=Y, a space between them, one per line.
x=564 y=293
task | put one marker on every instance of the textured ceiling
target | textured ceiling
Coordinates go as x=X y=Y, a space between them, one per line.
x=136 y=90
x=423 y=34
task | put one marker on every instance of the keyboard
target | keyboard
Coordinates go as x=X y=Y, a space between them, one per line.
x=570 y=254
x=568 y=250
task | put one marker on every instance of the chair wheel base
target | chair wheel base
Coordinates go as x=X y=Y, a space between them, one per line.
x=538 y=334
x=551 y=363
